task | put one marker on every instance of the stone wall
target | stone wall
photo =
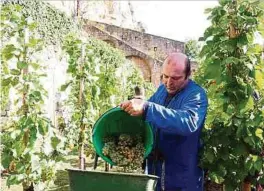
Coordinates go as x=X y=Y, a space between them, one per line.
x=145 y=50
x=114 y=23
x=143 y=65
x=150 y=44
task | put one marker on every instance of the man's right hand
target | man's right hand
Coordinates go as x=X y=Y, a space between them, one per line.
x=134 y=107
x=124 y=105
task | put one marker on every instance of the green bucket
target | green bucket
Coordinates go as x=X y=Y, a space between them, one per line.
x=115 y=122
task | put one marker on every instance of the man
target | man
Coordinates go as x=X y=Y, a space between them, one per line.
x=177 y=111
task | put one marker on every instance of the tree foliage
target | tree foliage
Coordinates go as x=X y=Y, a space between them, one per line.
x=232 y=72
x=31 y=147
x=107 y=77
x=53 y=25
x=192 y=49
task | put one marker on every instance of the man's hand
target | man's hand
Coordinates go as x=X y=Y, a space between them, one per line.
x=134 y=107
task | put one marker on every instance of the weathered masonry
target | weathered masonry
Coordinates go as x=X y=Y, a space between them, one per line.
x=145 y=50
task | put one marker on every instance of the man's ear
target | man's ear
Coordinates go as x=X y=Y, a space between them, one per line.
x=188 y=75
x=188 y=68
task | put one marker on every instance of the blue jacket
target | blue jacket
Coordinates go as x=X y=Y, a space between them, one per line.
x=180 y=124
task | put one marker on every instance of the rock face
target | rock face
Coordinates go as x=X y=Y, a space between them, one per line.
x=118 y=13
x=114 y=23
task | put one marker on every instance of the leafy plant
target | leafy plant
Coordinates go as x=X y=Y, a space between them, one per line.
x=53 y=25
x=192 y=49
x=107 y=80
x=232 y=71
x=30 y=146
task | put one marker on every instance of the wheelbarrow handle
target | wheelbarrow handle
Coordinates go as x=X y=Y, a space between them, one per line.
x=95 y=161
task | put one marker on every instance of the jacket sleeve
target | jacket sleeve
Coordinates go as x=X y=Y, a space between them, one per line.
x=184 y=121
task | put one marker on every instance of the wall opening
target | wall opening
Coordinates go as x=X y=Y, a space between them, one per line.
x=143 y=65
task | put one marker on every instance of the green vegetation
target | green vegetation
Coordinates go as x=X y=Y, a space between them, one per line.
x=232 y=72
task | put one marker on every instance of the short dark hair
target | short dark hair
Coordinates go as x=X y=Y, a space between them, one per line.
x=187 y=68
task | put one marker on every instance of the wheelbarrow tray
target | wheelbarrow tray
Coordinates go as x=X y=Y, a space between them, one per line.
x=86 y=180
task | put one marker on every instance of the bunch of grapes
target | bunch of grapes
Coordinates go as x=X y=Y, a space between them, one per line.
x=126 y=151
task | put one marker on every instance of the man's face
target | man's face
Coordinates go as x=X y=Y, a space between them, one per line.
x=173 y=77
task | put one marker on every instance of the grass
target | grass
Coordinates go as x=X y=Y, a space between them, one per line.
x=62 y=179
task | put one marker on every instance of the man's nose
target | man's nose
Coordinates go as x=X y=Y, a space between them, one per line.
x=169 y=81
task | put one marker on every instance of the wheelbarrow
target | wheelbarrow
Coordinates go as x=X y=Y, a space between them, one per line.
x=84 y=180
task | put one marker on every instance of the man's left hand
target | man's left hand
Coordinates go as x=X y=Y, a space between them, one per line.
x=134 y=107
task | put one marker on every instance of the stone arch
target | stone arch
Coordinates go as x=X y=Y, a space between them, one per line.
x=143 y=65
x=110 y=42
